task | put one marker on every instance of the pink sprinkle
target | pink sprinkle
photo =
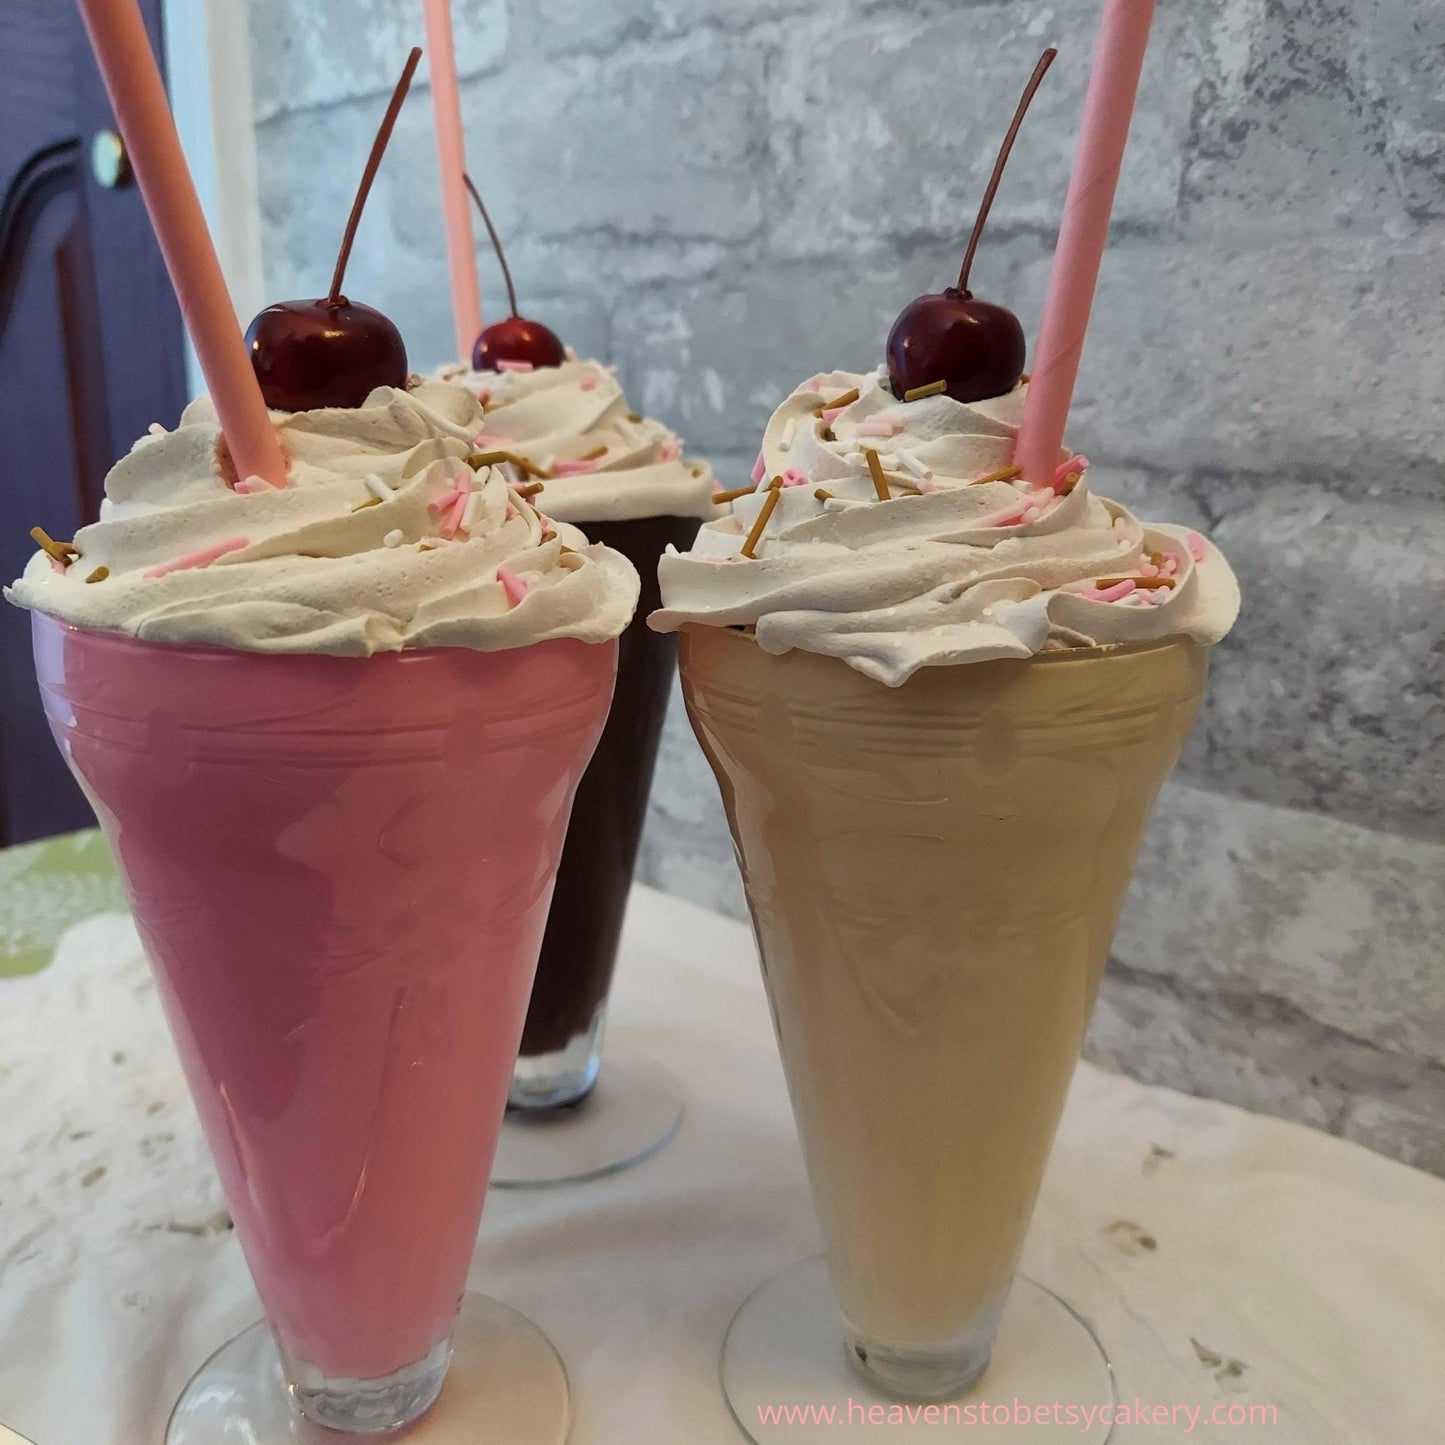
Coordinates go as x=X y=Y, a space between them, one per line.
x=832 y=413
x=203 y=558
x=484 y=395
x=1148 y=569
x=794 y=478
x=514 y=366
x=588 y=383
x=58 y=566
x=1075 y=466
x=454 y=521
x=759 y=467
x=512 y=585
x=1008 y=517
x=247 y=485
x=877 y=426
x=1196 y=546
x=1172 y=563
x=486 y=441
x=511 y=512
x=671 y=451
x=1114 y=593
x=574 y=469
x=440 y=505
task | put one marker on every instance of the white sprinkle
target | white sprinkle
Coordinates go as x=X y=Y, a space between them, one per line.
x=856 y=459
x=157 y=430
x=785 y=442
x=910 y=463
x=393 y=538
x=471 y=511
x=882 y=371
x=377 y=488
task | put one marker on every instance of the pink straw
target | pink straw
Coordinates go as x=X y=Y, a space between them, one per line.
x=452 y=156
x=133 y=81
x=1083 y=234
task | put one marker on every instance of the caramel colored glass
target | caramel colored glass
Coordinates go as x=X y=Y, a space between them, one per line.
x=934 y=872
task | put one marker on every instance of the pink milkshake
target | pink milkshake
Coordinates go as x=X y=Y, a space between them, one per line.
x=333 y=732
x=340 y=868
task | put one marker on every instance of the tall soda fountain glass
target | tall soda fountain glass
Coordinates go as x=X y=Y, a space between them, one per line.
x=938 y=726
x=340 y=869
x=623 y=479
x=330 y=681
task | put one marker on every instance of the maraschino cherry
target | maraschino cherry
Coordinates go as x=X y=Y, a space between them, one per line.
x=977 y=349
x=516 y=338
x=332 y=352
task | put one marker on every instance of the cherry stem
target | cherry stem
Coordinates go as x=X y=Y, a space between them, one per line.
x=373 y=164
x=496 y=241
x=1040 y=70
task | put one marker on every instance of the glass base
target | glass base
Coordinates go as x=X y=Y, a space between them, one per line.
x=565 y=1076
x=632 y=1112
x=505 y=1383
x=789 y=1379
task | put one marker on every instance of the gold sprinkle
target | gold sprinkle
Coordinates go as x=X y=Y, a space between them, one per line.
x=1027 y=377
x=733 y=495
x=99 y=575
x=369 y=502
x=60 y=552
x=919 y=392
x=634 y=416
x=775 y=490
x=823 y=494
x=531 y=468
x=847 y=399
x=478 y=460
x=593 y=454
x=529 y=489
x=1144 y=584
x=1004 y=474
x=875 y=470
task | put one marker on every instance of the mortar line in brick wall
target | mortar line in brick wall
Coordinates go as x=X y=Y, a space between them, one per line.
x=1271 y=1010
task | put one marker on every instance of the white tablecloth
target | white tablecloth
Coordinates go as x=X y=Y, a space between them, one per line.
x=1286 y=1268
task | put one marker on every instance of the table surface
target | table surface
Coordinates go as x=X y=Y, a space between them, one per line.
x=1222 y=1257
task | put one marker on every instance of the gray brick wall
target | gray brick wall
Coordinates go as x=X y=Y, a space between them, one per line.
x=722 y=198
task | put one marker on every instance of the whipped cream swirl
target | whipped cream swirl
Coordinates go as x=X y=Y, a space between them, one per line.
x=602 y=462
x=960 y=564
x=385 y=537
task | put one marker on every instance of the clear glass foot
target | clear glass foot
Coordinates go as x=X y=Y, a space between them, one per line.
x=369 y=1407
x=505 y=1383
x=790 y=1379
x=556 y=1080
x=633 y=1111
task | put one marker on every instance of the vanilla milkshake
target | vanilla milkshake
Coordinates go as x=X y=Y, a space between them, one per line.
x=939 y=705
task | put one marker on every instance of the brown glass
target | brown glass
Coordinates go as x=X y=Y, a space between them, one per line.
x=579 y=951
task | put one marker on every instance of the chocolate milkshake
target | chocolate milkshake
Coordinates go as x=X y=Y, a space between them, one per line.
x=623 y=480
